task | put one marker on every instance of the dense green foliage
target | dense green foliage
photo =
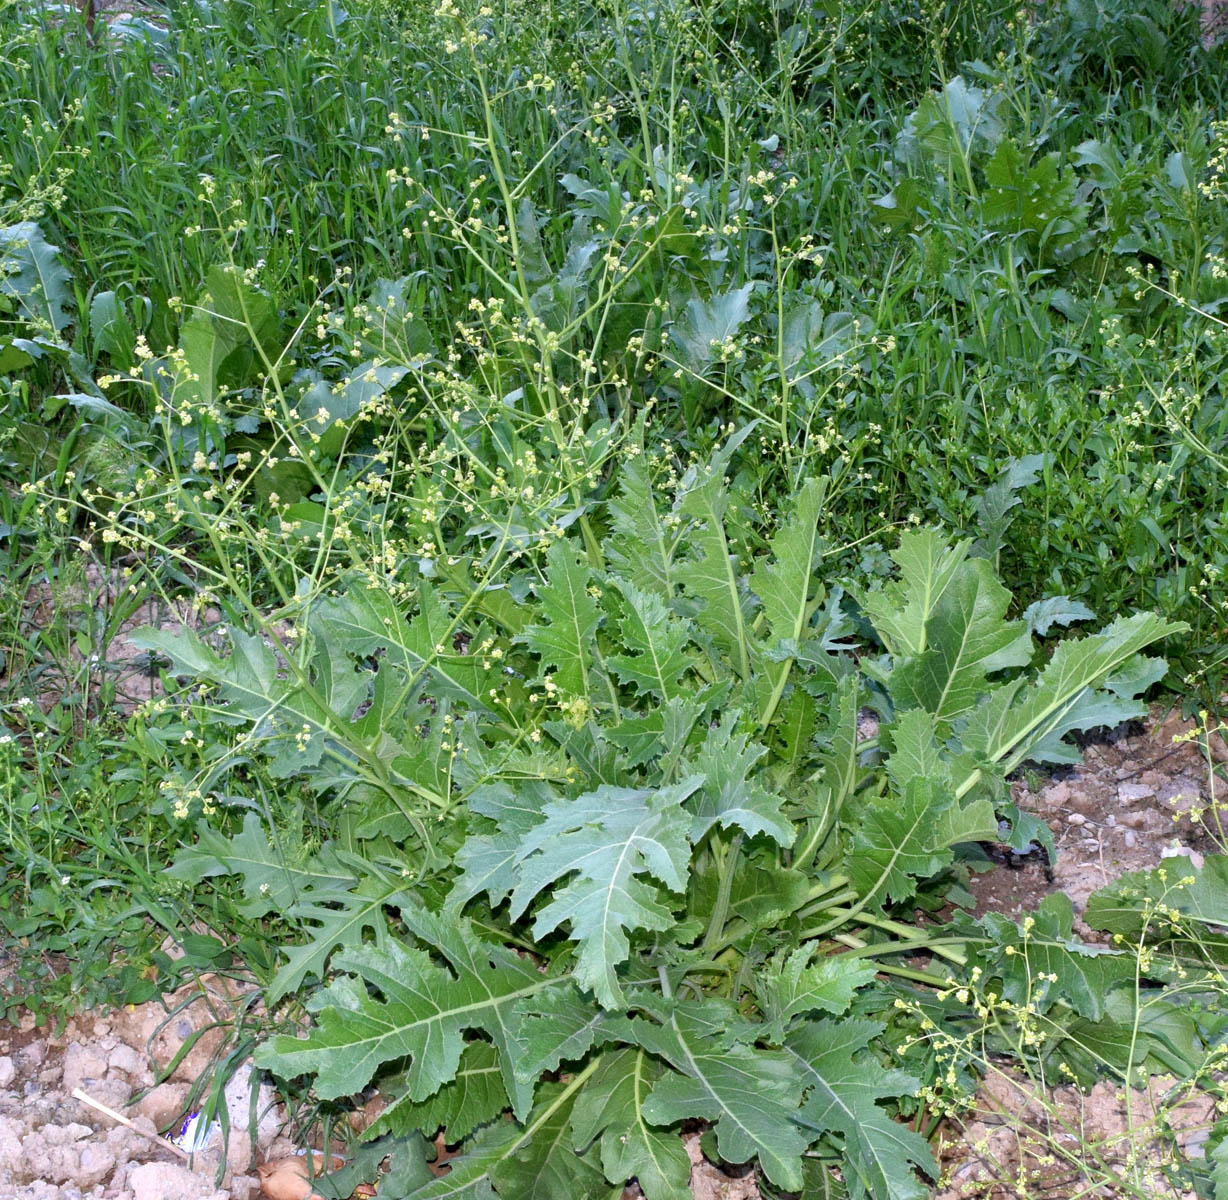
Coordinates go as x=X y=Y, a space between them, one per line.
x=535 y=439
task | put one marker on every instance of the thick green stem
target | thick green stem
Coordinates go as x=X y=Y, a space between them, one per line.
x=720 y=910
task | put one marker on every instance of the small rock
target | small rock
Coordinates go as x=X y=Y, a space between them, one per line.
x=124 y=1058
x=1076 y=819
x=1134 y=820
x=31 y=1056
x=11 y=1131
x=1179 y=792
x=1086 y=801
x=1177 y=850
x=94 y=1165
x=167 y=1181
x=1130 y=839
x=8 y=1072
x=82 y=1064
x=243 y=1187
x=112 y=1092
x=163 y=1103
x=1129 y=793
x=1056 y=794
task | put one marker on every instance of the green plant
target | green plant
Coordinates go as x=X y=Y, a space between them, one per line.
x=632 y=835
x=428 y=396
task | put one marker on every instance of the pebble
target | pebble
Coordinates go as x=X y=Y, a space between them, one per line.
x=1128 y=793
x=1176 y=850
x=1056 y=794
x=8 y=1072
x=1130 y=839
x=1134 y=820
x=1076 y=819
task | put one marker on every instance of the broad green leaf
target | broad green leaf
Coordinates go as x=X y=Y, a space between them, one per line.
x=421 y=1015
x=1131 y=903
x=511 y=1156
x=611 y=840
x=968 y=638
x=994 y=504
x=392 y=332
x=1153 y=1029
x=1015 y=718
x=468 y=1176
x=839 y=757
x=655 y=638
x=366 y=621
x=640 y=738
x=1041 y=616
x=1024 y=197
x=227 y=337
x=333 y=916
x=810 y=341
x=680 y=718
x=398 y=1161
x=751 y=1096
x=916 y=753
x=111 y=331
x=785 y=579
x=907 y=835
x=712 y=576
x=547 y=1167
x=791 y=985
x=556 y=1026
x=1219 y=1170
x=611 y=1108
x=794 y=729
x=702 y=330
x=476 y=1095
x=32 y=274
x=957 y=121
x=643 y=548
x=532 y=256
x=786 y=586
x=590 y=751
x=729 y=796
x=273 y=878
x=900 y=611
x=566 y=641
x=1040 y=957
x=252 y=683
x=844 y=1083
x=487 y=861
x=764 y=894
x=334 y=404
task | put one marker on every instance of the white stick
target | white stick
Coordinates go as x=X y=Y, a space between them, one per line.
x=110 y=1112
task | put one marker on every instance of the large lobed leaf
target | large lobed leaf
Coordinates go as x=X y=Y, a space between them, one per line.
x=565 y=640
x=32 y=274
x=750 y=1095
x=611 y=840
x=844 y=1083
x=711 y=575
x=420 y=1014
x=610 y=1111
